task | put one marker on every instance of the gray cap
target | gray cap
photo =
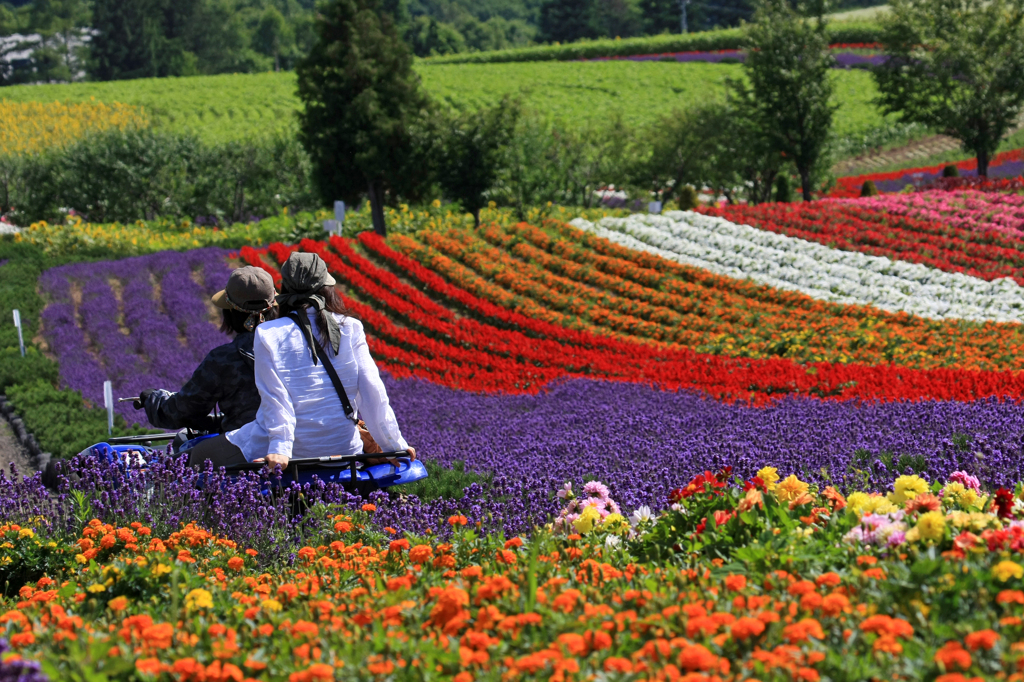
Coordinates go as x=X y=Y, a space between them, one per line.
x=304 y=273
x=249 y=288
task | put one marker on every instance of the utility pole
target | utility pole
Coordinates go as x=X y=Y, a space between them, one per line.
x=682 y=11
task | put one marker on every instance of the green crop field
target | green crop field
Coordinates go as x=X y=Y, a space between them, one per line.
x=236 y=107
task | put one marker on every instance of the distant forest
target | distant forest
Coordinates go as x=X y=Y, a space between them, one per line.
x=119 y=39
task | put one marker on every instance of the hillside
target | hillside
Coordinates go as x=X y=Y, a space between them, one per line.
x=233 y=107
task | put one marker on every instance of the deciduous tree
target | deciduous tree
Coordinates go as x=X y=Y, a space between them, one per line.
x=956 y=66
x=789 y=94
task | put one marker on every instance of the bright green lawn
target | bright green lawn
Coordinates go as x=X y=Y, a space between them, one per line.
x=234 y=107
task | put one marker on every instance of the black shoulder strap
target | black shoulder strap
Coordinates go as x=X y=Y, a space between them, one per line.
x=331 y=372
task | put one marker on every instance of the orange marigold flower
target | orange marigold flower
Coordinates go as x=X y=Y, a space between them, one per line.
x=369 y=507
x=598 y=640
x=982 y=639
x=887 y=626
x=1010 y=597
x=735 y=582
x=835 y=497
x=802 y=630
x=574 y=643
x=746 y=627
x=236 y=563
x=513 y=543
x=697 y=657
x=888 y=644
x=398 y=545
x=866 y=560
x=829 y=579
x=288 y=591
x=420 y=554
x=952 y=655
x=457 y=520
x=321 y=672
x=158 y=636
x=834 y=604
x=251 y=552
x=108 y=541
x=307 y=554
x=875 y=574
x=226 y=672
x=618 y=665
x=185 y=556
x=22 y=639
x=149 y=666
x=507 y=557
x=118 y=603
x=451 y=603
x=464 y=676
x=958 y=677
x=801 y=587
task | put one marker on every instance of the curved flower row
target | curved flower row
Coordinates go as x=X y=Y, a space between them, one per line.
x=433 y=351
x=821 y=272
x=966 y=209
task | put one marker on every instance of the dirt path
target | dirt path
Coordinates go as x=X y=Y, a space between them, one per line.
x=919 y=149
x=11 y=451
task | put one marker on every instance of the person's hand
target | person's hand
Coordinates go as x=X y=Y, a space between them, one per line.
x=143 y=397
x=412 y=454
x=276 y=461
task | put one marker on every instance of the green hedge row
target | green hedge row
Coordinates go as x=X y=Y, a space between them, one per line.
x=723 y=39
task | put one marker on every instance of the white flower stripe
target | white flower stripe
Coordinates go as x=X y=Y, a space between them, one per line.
x=827 y=274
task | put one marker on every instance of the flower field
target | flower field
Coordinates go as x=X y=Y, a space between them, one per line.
x=1007 y=164
x=766 y=443
x=29 y=127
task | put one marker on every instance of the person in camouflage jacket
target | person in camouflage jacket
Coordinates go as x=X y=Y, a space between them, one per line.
x=225 y=378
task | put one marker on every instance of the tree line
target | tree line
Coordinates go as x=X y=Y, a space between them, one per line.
x=119 y=39
x=371 y=131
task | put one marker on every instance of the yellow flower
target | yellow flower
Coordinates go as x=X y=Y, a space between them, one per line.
x=907 y=488
x=26 y=533
x=931 y=525
x=80 y=558
x=770 y=476
x=615 y=523
x=585 y=523
x=1005 y=570
x=96 y=588
x=198 y=599
x=271 y=604
x=790 y=488
x=161 y=569
x=953 y=491
x=855 y=503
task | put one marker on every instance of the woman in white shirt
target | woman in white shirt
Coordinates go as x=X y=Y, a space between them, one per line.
x=301 y=414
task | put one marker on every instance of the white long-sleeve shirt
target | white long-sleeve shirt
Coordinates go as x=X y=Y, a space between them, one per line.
x=300 y=413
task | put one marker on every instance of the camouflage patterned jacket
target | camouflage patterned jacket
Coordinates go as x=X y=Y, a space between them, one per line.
x=226 y=378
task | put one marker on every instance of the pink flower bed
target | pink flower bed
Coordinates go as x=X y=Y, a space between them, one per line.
x=966 y=209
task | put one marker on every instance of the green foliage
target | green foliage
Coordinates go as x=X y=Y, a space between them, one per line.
x=951 y=171
x=362 y=100
x=61 y=420
x=868 y=189
x=783 y=189
x=956 y=66
x=473 y=151
x=445 y=483
x=571 y=20
x=244 y=107
x=141 y=174
x=687 y=198
x=790 y=93
x=719 y=39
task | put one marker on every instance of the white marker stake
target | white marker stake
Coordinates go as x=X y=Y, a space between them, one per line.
x=654 y=207
x=339 y=211
x=21 y=338
x=108 y=402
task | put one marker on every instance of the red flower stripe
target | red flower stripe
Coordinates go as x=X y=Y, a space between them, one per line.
x=850 y=186
x=986 y=255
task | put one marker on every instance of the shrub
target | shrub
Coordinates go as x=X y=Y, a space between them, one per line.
x=783 y=188
x=687 y=198
x=951 y=171
x=868 y=189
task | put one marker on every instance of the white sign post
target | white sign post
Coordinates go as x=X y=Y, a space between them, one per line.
x=21 y=338
x=108 y=402
x=654 y=207
x=339 y=211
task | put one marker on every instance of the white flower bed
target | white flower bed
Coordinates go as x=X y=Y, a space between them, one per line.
x=848 y=277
